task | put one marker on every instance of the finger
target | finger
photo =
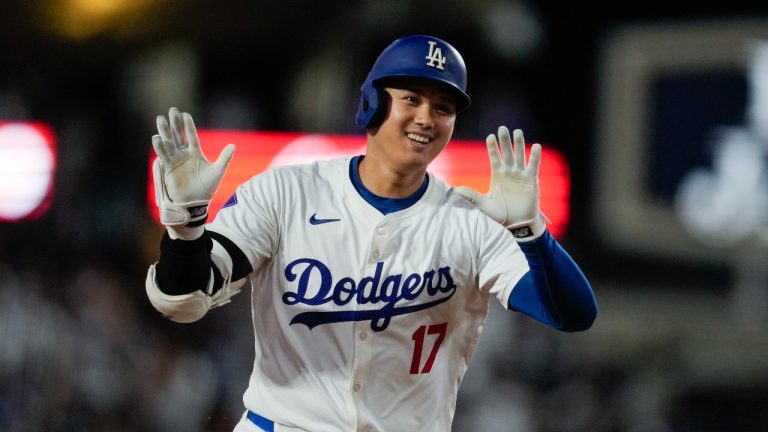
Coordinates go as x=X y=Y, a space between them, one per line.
x=506 y=146
x=534 y=160
x=519 y=148
x=164 y=129
x=191 y=132
x=224 y=158
x=162 y=152
x=177 y=126
x=493 y=153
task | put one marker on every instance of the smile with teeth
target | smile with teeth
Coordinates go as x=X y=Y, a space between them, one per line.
x=419 y=138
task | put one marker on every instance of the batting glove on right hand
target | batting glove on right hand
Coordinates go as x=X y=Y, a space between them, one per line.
x=513 y=197
x=184 y=179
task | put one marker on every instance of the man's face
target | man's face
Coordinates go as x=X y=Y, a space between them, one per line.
x=418 y=125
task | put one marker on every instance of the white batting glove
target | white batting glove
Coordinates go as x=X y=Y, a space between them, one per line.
x=513 y=197
x=184 y=179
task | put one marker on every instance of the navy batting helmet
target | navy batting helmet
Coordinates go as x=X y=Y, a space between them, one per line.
x=412 y=56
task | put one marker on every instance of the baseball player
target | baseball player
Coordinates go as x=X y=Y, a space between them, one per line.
x=370 y=277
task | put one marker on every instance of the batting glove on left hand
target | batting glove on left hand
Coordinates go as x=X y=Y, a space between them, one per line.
x=184 y=179
x=513 y=197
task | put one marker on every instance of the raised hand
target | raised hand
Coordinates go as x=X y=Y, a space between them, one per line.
x=184 y=179
x=513 y=197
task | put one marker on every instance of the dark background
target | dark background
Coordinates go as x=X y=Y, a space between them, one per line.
x=75 y=316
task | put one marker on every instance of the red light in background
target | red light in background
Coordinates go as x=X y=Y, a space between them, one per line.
x=462 y=163
x=27 y=166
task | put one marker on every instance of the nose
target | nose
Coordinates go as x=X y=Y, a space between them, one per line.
x=424 y=117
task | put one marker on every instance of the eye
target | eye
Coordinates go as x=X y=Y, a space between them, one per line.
x=412 y=99
x=445 y=109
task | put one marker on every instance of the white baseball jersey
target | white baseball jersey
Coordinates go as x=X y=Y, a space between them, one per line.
x=363 y=322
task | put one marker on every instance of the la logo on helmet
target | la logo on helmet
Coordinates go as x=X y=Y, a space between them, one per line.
x=435 y=56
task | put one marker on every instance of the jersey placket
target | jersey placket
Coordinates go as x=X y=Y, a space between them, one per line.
x=363 y=333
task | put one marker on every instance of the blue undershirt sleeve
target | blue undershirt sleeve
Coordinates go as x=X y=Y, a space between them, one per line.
x=555 y=291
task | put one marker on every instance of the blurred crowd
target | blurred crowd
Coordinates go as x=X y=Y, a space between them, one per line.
x=81 y=356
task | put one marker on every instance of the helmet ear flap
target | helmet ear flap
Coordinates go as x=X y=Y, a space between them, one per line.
x=382 y=108
x=369 y=104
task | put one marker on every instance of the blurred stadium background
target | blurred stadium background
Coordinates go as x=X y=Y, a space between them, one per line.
x=659 y=108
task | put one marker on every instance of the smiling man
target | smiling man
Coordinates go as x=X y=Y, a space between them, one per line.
x=370 y=277
x=417 y=127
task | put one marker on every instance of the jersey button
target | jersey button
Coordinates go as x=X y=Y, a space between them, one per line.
x=375 y=255
x=356 y=387
x=381 y=231
x=363 y=335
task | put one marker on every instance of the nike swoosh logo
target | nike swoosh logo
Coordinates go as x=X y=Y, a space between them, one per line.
x=315 y=221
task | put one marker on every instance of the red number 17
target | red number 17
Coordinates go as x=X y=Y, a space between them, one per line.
x=418 y=339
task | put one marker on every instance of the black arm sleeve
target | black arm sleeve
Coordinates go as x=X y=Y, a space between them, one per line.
x=185 y=265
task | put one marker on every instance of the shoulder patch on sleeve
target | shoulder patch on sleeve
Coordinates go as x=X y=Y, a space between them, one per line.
x=232 y=200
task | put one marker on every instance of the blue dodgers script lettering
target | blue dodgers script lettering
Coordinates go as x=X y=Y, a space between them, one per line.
x=434 y=286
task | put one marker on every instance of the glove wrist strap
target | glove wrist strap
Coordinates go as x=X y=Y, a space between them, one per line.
x=529 y=230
